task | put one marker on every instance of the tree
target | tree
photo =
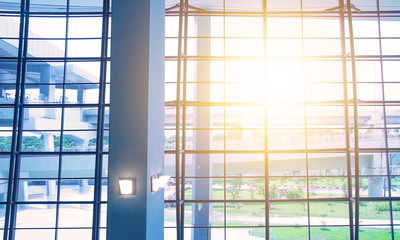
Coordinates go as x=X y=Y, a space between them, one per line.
x=273 y=192
x=67 y=142
x=294 y=193
x=260 y=186
x=32 y=144
x=5 y=143
x=235 y=188
x=252 y=189
x=344 y=189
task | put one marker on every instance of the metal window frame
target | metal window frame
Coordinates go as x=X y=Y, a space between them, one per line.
x=345 y=12
x=16 y=152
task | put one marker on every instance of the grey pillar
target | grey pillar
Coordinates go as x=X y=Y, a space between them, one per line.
x=51 y=192
x=376 y=166
x=83 y=186
x=48 y=92
x=202 y=188
x=48 y=142
x=136 y=119
x=23 y=191
x=3 y=189
x=81 y=94
x=51 y=189
x=377 y=163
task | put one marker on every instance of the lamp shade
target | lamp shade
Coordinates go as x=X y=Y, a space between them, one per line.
x=127 y=186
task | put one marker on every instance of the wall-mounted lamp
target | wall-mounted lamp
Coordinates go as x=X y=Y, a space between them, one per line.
x=127 y=186
x=159 y=182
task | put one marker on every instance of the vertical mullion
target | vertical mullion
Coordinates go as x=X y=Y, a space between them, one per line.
x=179 y=225
x=224 y=36
x=305 y=118
x=355 y=106
x=346 y=115
x=183 y=165
x=13 y=169
x=18 y=146
x=266 y=156
x=100 y=124
x=62 y=121
x=385 y=124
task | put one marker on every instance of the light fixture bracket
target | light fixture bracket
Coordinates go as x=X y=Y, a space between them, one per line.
x=159 y=182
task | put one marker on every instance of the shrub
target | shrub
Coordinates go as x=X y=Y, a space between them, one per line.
x=294 y=193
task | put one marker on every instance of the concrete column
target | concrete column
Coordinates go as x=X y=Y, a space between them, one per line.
x=83 y=189
x=83 y=186
x=51 y=189
x=3 y=190
x=202 y=188
x=47 y=92
x=376 y=166
x=136 y=119
x=81 y=94
x=83 y=143
x=49 y=142
x=51 y=192
x=23 y=191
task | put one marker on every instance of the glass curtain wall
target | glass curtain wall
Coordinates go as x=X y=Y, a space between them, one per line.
x=54 y=111
x=282 y=119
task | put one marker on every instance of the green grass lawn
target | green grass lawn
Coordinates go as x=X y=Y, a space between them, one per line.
x=329 y=233
x=368 y=210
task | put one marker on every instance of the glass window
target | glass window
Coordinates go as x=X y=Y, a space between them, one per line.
x=52 y=145
x=268 y=121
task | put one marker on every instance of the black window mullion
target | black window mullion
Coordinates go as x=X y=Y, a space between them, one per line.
x=100 y=124
x=266 y=148
x=60 y=157
x=388 y=162
x=179 y=189
x=348 y=10
x=17 y=139
x=346 y=116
